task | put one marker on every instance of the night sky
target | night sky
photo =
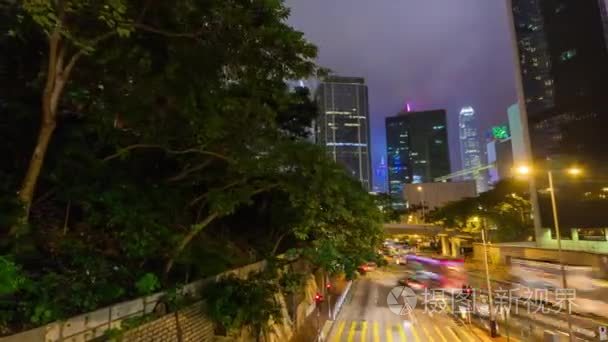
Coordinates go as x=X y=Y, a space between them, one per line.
x=430 y=53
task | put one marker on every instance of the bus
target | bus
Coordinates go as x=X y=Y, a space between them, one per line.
x=591 y=292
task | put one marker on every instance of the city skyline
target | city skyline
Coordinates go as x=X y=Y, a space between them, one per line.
x=412 y=61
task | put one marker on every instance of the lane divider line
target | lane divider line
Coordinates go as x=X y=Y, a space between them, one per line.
x=401 y=333
x=351 y=331
x=416 y=337
x=376 y=333
x=340 y=331
x=428 y=335
x=451 y=331
x=440 y=334
x=363 y=331
x=389 y=334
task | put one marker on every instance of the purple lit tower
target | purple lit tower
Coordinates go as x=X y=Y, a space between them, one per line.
x=381 y=177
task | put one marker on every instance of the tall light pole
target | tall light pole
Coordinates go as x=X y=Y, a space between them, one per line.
x=421 y=191
x=573 y=171
x=493 y=332
x=558 y=235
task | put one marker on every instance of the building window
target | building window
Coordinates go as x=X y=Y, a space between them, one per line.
x=568 y=55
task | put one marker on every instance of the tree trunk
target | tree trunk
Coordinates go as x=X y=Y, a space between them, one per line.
x=26 y=194
x=185 y=241
x=56 y=77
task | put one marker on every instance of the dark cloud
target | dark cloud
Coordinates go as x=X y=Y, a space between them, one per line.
x=431 y=53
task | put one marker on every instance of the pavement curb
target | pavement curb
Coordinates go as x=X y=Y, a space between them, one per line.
x=327 y=327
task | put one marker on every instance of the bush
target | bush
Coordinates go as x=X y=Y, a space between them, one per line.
x=235 y=303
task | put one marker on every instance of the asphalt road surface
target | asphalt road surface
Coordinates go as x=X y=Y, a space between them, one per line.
x=366 y=316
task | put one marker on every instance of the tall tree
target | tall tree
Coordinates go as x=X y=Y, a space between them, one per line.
x=73 y=29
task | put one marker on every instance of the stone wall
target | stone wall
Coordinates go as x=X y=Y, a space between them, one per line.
x=93 y=325
x=187 y=325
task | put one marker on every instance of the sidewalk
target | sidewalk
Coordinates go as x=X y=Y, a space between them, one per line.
x=308 y=331
x=485 y=336
x=313 y=324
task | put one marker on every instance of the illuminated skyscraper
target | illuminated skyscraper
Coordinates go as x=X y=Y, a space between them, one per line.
x=534 y=58
x=470 y=150
x=563 y=64
x=343 y=124
x=470 y=153
x=417 y=150
x=380 y=177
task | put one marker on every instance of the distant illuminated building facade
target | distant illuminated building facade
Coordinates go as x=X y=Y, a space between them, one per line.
x=380 y=177
x=470 y=153
x=417 y=150
x=499 y=152
x=342 y=126
x=563 y=64
x=470 y=150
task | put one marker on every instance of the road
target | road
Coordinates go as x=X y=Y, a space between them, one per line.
x=367 y=317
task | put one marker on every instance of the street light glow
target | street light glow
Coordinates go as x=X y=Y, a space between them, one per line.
x=419 y=188
x=523 y=170
x=574 y=171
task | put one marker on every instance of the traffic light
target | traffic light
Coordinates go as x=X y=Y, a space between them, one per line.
x=318 y=297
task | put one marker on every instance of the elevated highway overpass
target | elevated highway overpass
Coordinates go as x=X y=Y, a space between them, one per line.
x=406 y=228
x=451 y=240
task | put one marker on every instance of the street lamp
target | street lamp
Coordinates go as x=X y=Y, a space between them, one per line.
x=493 y=330
x=573 y=171
x=421 y=191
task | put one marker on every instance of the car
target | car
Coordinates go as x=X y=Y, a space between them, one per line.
x=413 y=283
x=367 y=267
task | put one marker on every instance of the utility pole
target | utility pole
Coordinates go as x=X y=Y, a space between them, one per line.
x=493 y=332
x=558 y=235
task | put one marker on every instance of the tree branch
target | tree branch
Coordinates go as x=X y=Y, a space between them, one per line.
x=197 y=228
x=190 y=170
x=224 y=188
x=81 y=52
x=167 y=150
x=279 y=240
x=51 y=73
x=170 y=34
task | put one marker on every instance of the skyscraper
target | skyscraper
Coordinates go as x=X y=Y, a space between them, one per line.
x=343 y=125
x=470 y=153
x=470 y=150
x=417 y=150
x=563 y=60
x=534 y=56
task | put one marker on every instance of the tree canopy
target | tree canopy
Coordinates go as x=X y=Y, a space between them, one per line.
x=505 y=208
x=149 y=143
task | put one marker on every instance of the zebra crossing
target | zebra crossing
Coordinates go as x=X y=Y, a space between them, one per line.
x=400 y=331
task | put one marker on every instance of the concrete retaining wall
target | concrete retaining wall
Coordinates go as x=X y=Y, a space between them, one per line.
x=501 y=254
x=94 y=324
